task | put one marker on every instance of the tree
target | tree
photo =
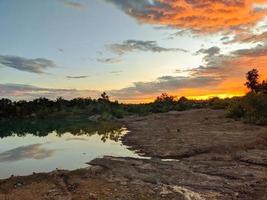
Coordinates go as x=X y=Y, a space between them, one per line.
x=182 y=99
x=104 y=97
x=252 y=80
x=263 y=87
x=165 y=98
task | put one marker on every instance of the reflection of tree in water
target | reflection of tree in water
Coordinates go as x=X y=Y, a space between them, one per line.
x=75 y=126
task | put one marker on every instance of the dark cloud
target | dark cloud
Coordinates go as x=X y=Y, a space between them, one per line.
x=209 y=54
x=73 y=4
x=76 y=77
x=259 y=50
x=116 y=73
x=37 y=65
x=140 y=45
x=108 y=60
x=248 y=38
x=165 y=84
x=130 y=6
x=179 y=33
x=235 y=64
x=34 y=151
x=210 y=51
x=60 y=50
x=161 y=84
x=20 y=91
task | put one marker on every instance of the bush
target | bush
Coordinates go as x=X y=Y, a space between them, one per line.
x=255 y=106
x=216 y=103
x=236 y=110
x=252 y=107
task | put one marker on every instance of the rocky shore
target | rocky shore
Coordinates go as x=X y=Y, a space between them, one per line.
x=191 y=155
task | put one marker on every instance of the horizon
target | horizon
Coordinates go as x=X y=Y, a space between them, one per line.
x=133 y=50
x=133 y=102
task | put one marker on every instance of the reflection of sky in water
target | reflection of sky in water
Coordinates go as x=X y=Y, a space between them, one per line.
x=34 y=151
x=28 y=154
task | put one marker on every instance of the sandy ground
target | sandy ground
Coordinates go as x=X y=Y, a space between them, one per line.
x=197 y=155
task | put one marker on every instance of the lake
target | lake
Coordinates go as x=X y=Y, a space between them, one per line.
x=45 y=145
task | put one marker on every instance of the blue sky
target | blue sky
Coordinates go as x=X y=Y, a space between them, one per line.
x=79 y=38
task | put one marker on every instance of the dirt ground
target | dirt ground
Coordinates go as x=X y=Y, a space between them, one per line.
x=196 y=155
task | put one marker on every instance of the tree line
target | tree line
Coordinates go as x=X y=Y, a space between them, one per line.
x=252 y=107
x=103 y=106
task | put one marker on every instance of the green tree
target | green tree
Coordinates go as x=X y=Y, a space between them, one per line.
x=104 y=97
x=165 y=98
x=252 y=80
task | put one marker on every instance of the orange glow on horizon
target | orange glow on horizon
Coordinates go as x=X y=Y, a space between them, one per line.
x=191 y=97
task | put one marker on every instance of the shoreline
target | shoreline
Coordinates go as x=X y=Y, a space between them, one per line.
x=217 y=158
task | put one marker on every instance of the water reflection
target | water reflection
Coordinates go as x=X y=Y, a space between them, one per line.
x=34 y=151
x=75 y=126
x=76 y=139
x=44 y=145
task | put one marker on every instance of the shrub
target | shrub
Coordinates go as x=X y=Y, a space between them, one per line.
x=217 y=103
x=255 y=106
x=236 y=109
x=252 y=107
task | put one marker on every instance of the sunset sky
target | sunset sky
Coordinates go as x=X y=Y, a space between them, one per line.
x=132 y=49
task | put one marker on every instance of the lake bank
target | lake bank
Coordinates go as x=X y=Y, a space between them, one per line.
x=28 y=146
x=212 y=157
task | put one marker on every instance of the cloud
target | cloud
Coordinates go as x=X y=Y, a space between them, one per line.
x=108 y=60
x=34 y=151
x=140 y=45
x=76 y=77
x=233 y=67
x=200 y=16
x=219 y=74
x=136 y=91
x=116 y=72
x=258 y=51
x=37 y=65
x=179 y=33
x=73 y=4
x=20 y=91
x=76 y=139
x=60 y=50
x=210 y=51
x=247 y=38
x=162 y=84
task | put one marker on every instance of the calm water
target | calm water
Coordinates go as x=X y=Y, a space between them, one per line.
x=44 y=145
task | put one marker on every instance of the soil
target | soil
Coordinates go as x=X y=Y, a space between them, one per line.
x=190 y=155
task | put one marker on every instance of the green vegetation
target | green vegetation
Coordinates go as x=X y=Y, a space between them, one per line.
x=101 y=108
x=77 y=126
x=252 y=107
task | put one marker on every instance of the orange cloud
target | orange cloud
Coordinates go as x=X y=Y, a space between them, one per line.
x=235 y=70
x=223 y=76
x=205 y=16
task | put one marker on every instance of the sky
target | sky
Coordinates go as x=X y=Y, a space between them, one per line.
x=132 y=49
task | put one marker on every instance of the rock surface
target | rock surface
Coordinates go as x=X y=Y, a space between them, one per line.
x=197 y=155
